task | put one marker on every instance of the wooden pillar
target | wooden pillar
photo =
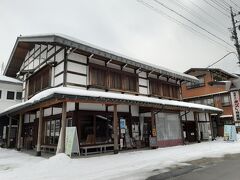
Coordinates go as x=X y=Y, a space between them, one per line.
x=197 y=127
x=40 y=130
x=19 y=132
x=63 y=128
x=211 y=125
x=115 y=130
x=153 y=124
x=181 y=126
x=9 y=132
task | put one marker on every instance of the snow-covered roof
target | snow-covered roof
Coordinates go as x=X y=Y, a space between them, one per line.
x=107 y=96
x=84 y=46
x=9 y=80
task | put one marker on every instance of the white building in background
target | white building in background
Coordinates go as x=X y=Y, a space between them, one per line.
x=10 y=92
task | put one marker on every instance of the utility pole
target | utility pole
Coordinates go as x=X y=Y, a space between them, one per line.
x=234 y=32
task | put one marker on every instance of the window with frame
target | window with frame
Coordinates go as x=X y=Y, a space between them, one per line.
x=226 y=100
x=39 y=81
x=10 y=95
x=112 y=79
x=52 y=131
x=156 y=87
x=98 y=76
x=115 y=80
x=19 y=96
x=130 y=83
x=201 y=83
x=166 y=90
x=0 y=94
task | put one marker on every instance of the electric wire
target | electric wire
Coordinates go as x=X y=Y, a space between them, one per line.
x=190 y=28
x=192 y=22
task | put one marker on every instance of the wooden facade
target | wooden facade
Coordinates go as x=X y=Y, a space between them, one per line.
x=48 y=64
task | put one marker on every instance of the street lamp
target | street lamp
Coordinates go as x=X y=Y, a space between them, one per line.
x=223 y=58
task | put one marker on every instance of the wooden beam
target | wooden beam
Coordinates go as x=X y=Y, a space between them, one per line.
x=19 y=132
x=40 y=130
x=9 y=132
x=63 y=129
x=115 y=129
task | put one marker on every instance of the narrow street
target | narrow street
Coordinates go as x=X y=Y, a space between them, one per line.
x=207 y=168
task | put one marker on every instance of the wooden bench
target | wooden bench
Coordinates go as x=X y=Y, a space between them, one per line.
x=103 y=148
x=49 y=148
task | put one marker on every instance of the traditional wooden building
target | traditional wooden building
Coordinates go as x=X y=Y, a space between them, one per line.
x=216 y=88
x=112 y=100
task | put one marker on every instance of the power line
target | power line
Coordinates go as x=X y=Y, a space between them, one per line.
x=219 y=5
x=234 y=4
x=184 y=25
x=198 y=16
x=200 y=27
x=208 y=14
x=217 y=8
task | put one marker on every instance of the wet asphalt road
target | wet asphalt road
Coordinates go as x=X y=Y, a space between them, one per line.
x=227 y=168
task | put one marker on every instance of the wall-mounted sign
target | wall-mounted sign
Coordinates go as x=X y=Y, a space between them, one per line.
x=235 y=105
x=122 y=123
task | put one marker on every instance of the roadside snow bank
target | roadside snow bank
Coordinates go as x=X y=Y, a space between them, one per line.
x=126 y=165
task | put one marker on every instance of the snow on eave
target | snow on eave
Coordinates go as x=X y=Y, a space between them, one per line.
x=6 y=79
x=109 y=95
x=74 y=42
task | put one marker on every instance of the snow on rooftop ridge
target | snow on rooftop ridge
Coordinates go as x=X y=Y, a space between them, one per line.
x=9 y=79
x=115 y=53
x=98 y=94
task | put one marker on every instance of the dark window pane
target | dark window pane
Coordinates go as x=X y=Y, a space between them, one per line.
x=10 y=95
x=19 y=96
x=0 y=94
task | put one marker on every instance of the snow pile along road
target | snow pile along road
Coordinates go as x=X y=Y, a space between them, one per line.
x=126 y=165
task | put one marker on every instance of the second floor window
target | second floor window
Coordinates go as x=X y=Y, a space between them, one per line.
x=10 y=95
x=160 y=88
x=39 y=81
x=112 y=79
x=226 y=100
x=201 y=83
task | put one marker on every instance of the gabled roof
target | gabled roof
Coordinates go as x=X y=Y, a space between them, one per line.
x=24 y=43
x=212 y=70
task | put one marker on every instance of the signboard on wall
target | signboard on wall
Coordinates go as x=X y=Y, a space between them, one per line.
x=71 y=141
x=235 y=105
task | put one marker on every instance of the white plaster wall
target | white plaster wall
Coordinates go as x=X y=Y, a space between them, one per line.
x=77 y=57
x=4 y=102
x=92 y=107
x=79 y=68
x=58 y=80
x=77 y=79
x=135 y=110
x=143 y=90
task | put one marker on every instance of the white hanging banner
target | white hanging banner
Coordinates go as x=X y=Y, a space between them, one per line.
x=71 y=141
x=235 y=105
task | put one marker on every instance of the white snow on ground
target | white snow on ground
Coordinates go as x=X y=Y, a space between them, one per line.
x=126 y=165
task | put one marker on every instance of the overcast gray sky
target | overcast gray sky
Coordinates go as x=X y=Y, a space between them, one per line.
x=127 y=27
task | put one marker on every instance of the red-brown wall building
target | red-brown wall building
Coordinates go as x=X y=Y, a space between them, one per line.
x=214 y=88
